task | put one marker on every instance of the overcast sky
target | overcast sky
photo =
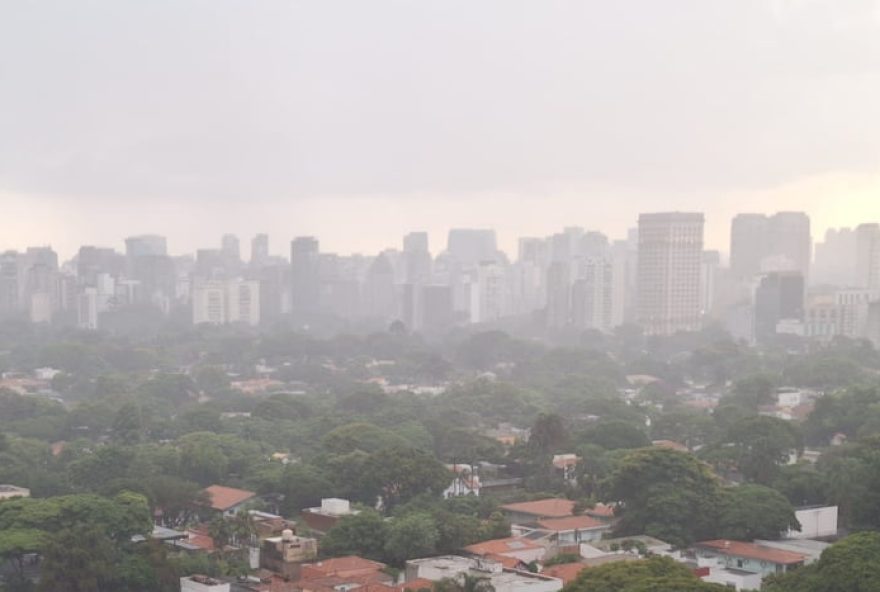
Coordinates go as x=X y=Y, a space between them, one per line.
x=359 y=120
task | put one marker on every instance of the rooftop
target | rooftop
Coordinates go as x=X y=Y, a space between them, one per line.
x=751 y=551
x=545 y=508
x=571 y=523
x=225 y=498
x=502 y=546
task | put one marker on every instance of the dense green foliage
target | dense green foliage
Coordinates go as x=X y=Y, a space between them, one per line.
x=656 y=574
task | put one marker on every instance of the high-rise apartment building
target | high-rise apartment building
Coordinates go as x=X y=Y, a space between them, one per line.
x=260 y=250
x=145 y=244
x=231 y=247
x=670 y=253
x=748 y=245
x=219 y=302
x=868 y=256
x=305 y=279
x=834 y=261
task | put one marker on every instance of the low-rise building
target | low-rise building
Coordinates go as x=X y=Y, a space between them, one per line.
x=502 y=580
x=285 y=554
x=199 y=583
x=746 y=557
x=524 y=512
x=516 y=547
x=13 y=491
x=816 y=522
x=227 y=500
x=325 y=517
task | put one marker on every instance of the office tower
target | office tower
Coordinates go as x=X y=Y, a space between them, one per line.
x=90 y=261
x=379 y=299
x=260 y=249
x=710 y=263
x=625 y=263
x=868 y=256
x=591 y=294
x=243 y=302
x=748 y=245
x=778 y=297
x=231 y=247
x=305 y=275
x=209 y=302
x=834 y=260
x=11 y=284
x=558 y=295
x=87 y=309
x=437 y=308
x=416 y=259
x=145 y=244
x=469 y=246
x=789 y=242
x=670 y=253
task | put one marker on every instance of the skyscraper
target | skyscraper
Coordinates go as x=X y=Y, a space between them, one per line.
x=146 y=245
x=305 y=280
x=260 y=249
x=789 y=240
x=231 y=247
x=670 y=253
x=868 y=256
x=748 y=245
x=779 y=296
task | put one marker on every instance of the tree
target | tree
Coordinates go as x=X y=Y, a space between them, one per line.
x=655 y=574
x=302 y=486
x=616 y=434
x=15 y=543
x=850 y=565
x=548 y=434
x=663 y=493
x=361 y=534
x=360 y=436
x=399 y=474
x=79 y=560
x=761 y=445
x=753 y=512
x=414 y=535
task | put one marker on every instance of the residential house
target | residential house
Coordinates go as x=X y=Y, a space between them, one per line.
x=325 y=517
x=284 y=555
x=13 y=491
x=199 y=583
x=524 y=512
x=563 y=534
x=228 y=500
x=465 y=481
x=343 y=574
x=502 y=580
x=518 y=548
x=738 y=563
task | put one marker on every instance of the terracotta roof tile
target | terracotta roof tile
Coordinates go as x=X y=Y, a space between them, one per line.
x=502 y=546
x=571 y=523
x=567 y=572
x=545 y=508
x=752 y=551
x=224 y=498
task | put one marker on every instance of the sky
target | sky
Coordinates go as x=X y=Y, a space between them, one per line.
x=357 y=121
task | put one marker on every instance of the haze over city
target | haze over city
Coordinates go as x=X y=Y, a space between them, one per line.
x=121 y=118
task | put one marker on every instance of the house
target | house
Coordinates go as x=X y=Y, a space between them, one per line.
x=435 y=569
x=816 y=522
x=13 y=491
x=810 y=549
x=325 y=517
x=465 y=481
x=199 y=583
x=747 y=557
x=539 y=509
x=601 y=511
x=270 y=525
x=561 y=533
x=285 y=554
x=513 y=547
x=227 y=500
x=343 y=574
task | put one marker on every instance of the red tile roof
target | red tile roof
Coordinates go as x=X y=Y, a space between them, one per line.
x=601 y=510
x=567 y=572
x=223 y=498
x=418 y=584
x=545 y=508
x=502 y=546
x=342 y=567
x=506 y=561
x=752 y=551
x=571 y=523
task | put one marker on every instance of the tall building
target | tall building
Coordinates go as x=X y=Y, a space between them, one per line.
x=748 y=245
x=591 y=294
x=709 y=267
x=470 y=246
x=231 y=247
x=789 y=240
x=868 y=256
x=834 y=261
x=779 y=297
x=305 y=280
x=219 y=302
x=416 y=259
x=260 y=249
x=670 y=254
x=145 y=244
